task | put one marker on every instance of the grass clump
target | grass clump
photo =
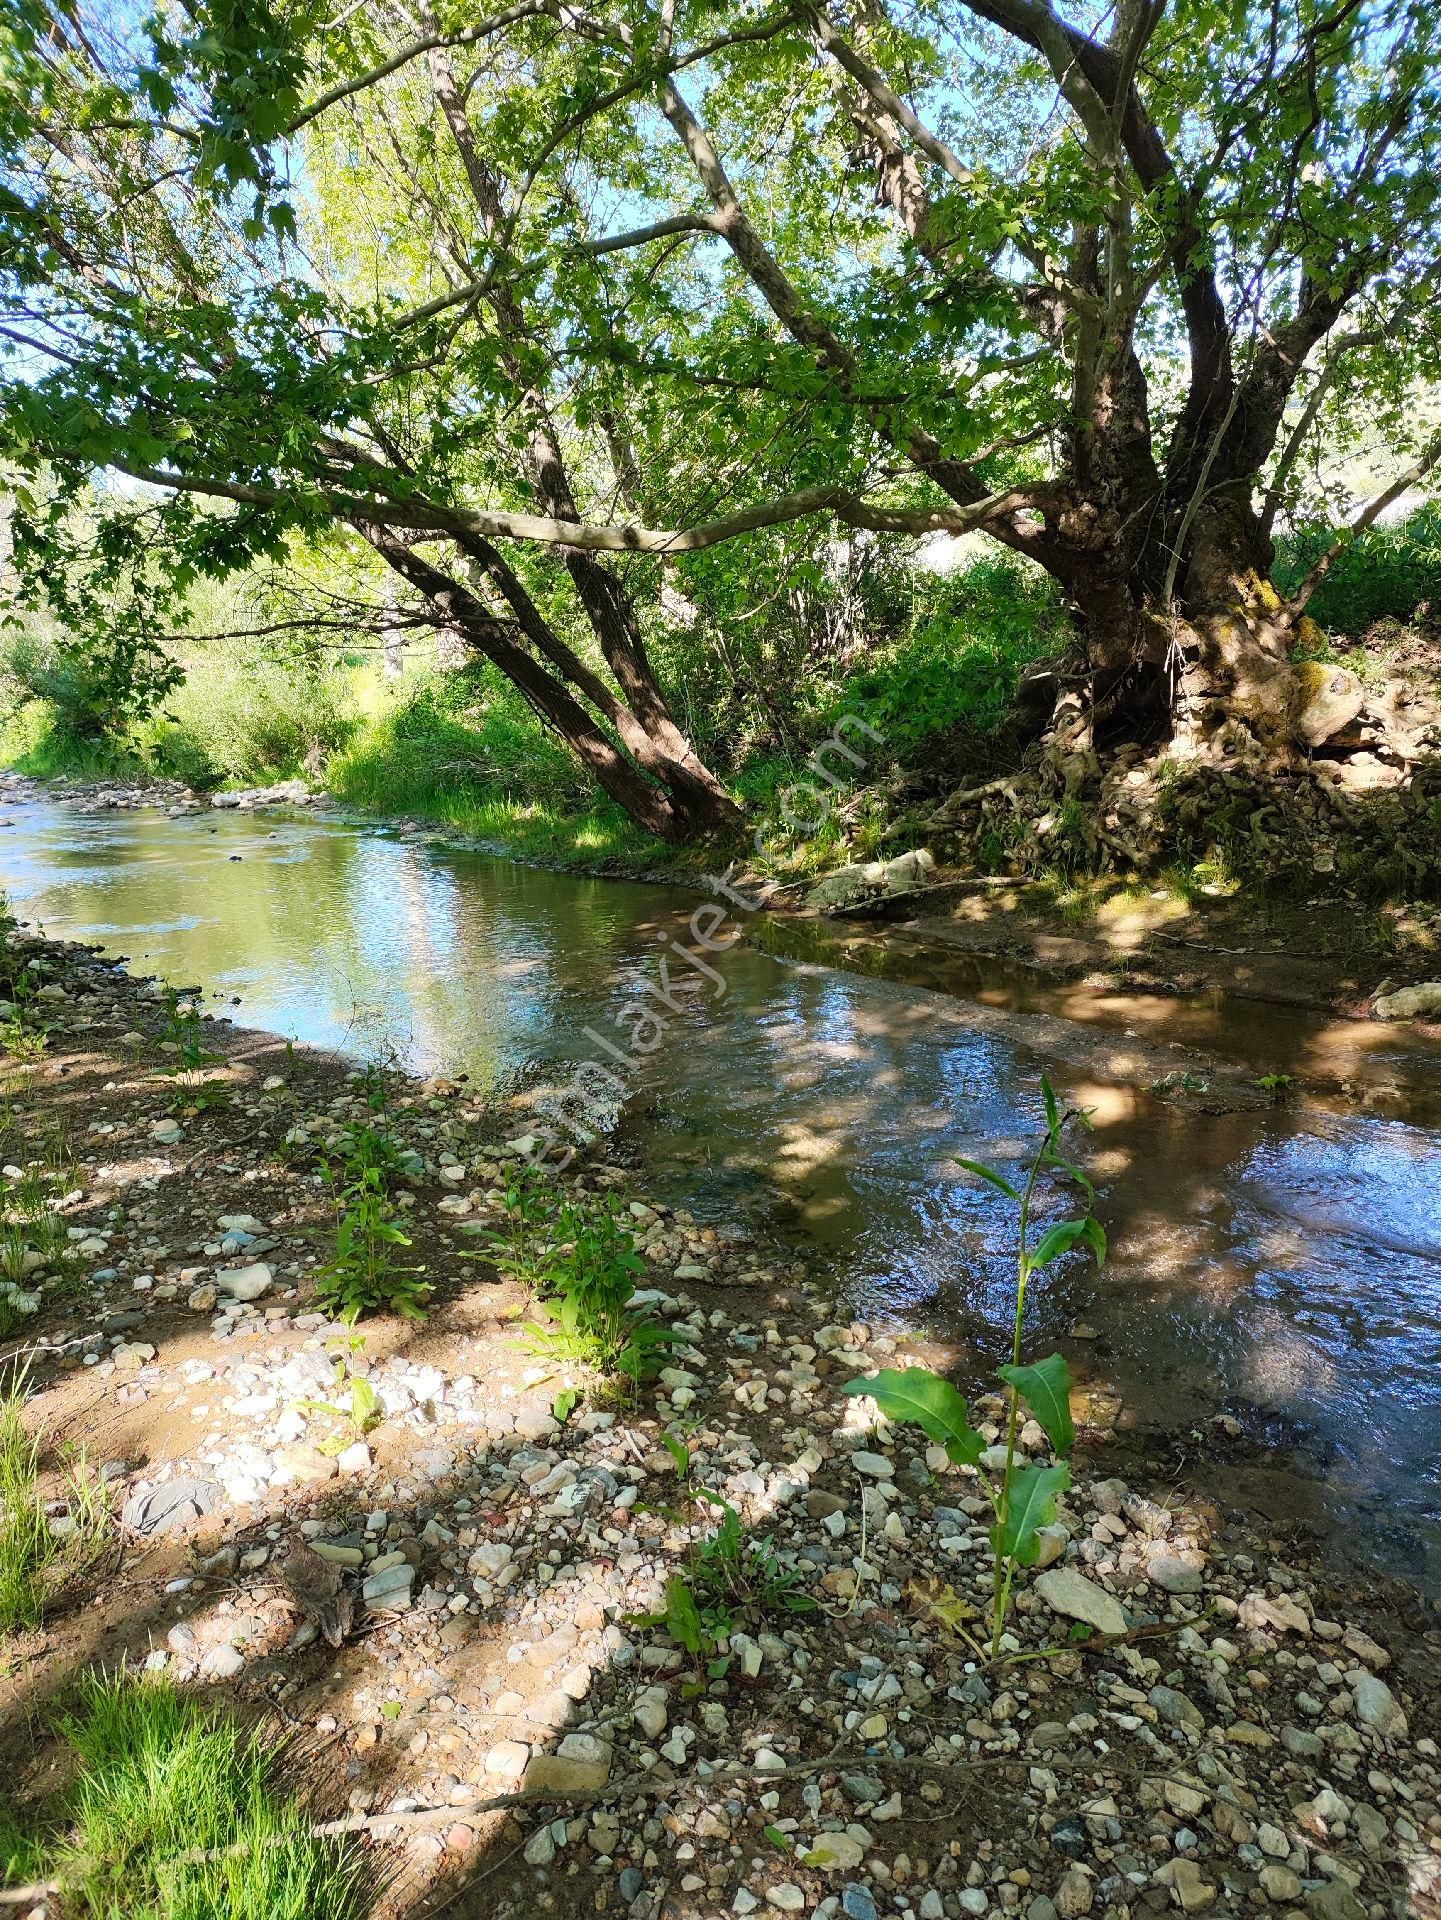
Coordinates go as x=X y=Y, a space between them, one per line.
x=159 y=1781
x=39 y=1555
x=581 y=1264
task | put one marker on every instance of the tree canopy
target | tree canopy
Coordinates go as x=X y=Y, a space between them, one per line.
x=546 y=304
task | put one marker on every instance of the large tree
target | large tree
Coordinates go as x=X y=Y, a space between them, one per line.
x=539 y=302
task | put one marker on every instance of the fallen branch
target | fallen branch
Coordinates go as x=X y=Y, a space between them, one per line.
x=382 y=1826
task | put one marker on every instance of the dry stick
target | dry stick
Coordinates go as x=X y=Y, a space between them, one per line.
x=383 y=1825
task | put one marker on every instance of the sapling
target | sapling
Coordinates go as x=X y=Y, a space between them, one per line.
x=1024 y=1496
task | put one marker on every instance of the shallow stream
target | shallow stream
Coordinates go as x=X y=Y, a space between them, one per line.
x=1282 y=1263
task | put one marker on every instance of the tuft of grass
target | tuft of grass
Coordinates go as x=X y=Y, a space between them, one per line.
x=35 y=1560
x=158 y=1780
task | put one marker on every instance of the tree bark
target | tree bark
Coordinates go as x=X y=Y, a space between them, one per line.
x=550 y=698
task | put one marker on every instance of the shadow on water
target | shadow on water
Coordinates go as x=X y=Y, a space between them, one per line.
x=1286 y=1262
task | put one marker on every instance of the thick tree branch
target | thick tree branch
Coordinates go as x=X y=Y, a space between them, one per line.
x=453 y=522
x=657 y=230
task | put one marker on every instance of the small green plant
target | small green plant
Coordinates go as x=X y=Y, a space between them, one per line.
x=37 y=1556
x=519 y=1248
x=1179 y=1083
x=586 y=1281
x=184 y=1038
x=356 y=1405
x=729 y=1578
x=21 y=1042
x=1278 y=1085
x=1023 y=1497
x=362 y=1276
x=369 y=1150
x=174 y=1813
x=737 y=1575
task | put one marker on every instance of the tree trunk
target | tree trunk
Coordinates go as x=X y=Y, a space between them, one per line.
x=1190 y=644
x=550 y=698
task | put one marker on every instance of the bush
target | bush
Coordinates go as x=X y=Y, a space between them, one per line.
x=247 y=720
x=465 y=736
x=957 y=668
x=1387 y=571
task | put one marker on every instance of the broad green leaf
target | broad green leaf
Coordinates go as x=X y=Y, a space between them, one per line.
x=928 y=1401
x=565 y=1404
x=682 y=1616
x=1032 y=1505
x=983 y=1172
x=1045 y=1386
x=1062 y=1237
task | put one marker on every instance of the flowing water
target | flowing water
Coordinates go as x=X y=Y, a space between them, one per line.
x=1283 y=1263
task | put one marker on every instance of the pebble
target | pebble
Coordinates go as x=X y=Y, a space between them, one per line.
x=874 y=1466
x=1070 y=1593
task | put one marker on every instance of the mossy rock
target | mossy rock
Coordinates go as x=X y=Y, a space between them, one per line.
x=1328 y=699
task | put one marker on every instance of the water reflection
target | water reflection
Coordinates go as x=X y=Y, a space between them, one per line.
x=1291 y=1266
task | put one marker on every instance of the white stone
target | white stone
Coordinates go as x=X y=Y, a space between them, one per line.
x=786 y=1898
x=1376 y=1706
x=245 y=1283
x=651 y=1711
x=1070 y=1593
x=834 y=1853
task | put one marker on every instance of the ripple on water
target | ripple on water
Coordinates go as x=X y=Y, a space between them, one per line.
x=1295 y=1268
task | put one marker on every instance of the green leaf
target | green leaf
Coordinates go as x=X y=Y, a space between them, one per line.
x=983 y=1172
x=565 y=1404
x=1032 y=1505
x=682 y=1616
x=1045 y=1386
x=1053 y=1111
x=678 y=1451
x=1062 y=1237
x=928 y=1401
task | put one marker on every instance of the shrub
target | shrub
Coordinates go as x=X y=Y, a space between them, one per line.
x=1387 y=571
x=957 y=668
x=451 y=741
x=247 y=720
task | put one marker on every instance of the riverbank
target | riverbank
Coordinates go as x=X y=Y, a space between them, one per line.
x=1332 y=953
x=498 y=1728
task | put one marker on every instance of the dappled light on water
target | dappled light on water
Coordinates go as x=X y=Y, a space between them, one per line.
x=1280 y=1262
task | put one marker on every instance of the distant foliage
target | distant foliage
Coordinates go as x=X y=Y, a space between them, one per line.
x=957 y=666
x=244 y=718
x=1387 y=571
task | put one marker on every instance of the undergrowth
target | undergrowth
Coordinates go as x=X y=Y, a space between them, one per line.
x=158 y=1781
x=41 y=1553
